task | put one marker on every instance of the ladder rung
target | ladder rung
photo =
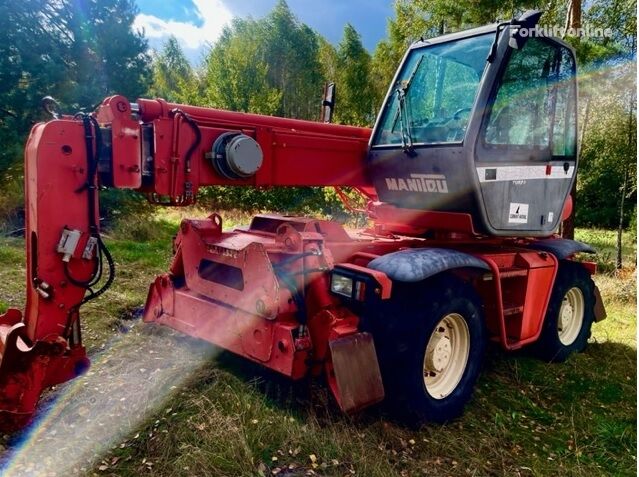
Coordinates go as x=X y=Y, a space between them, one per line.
x=513 y=310
x=513 y=272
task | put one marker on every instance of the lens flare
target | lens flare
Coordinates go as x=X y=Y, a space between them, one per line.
x=130 y=378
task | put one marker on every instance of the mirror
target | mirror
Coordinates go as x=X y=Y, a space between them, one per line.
x=328 y=103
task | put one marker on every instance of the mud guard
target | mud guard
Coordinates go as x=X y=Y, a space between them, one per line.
x=354 y=375
x=417 y=264
x=564 y=249
x=561 y=248
x=600 y=310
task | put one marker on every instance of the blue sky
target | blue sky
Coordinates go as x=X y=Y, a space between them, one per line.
x=198 y=22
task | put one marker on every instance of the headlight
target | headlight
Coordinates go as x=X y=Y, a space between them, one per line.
x=342 y=285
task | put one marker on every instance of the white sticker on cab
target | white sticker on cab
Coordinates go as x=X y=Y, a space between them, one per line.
x=518 y=213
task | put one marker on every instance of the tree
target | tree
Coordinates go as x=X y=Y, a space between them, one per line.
x=415 y=19
x=573 y=22
x=173 y=76
x=236 y=76
x=109 y=56
x=354 y=88
x=33 y=63
x=268 y=66
x=275 y=65
x=629 y=183
x=607 y=178
x=291 y=50
x=327 y=55
x=78 y=51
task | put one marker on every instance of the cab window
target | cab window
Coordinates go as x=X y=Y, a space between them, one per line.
x=534 y=106
x=436 y=88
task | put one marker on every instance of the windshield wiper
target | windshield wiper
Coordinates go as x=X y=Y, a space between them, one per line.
x=403 y=116
x=404 y=122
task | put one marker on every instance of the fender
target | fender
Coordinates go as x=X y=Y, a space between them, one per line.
x=560 y=247
x=416 y=264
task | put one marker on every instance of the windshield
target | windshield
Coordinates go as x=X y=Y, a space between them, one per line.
x=432 y=99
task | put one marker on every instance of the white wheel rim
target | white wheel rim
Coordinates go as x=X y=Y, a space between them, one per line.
x=446 y=356
x=571 y=316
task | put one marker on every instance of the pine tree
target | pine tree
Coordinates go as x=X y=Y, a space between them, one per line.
x=355 y=98
x=110 y=57
x=78 y=51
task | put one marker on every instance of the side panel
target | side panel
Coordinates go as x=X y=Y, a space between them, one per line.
x=525 y=197
x=435 y=178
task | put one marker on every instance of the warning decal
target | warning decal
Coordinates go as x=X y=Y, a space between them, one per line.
x=518 y=213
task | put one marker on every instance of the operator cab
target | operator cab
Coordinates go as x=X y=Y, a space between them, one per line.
x=481 y=122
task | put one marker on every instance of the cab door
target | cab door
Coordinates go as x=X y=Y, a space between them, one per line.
x=526 y=151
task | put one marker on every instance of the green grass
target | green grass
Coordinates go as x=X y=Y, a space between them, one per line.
x=230 y=418
x=605 y=242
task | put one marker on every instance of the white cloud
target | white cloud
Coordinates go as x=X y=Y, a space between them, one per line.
x=213 y=14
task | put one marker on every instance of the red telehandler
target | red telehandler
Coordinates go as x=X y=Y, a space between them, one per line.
x=467 y=174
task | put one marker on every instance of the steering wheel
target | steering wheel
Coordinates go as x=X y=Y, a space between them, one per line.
x=420 y=122
x=456 y=129
x=459 y=112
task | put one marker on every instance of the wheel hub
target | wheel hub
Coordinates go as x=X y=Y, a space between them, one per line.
x=571 y=316
x=566 y=313
x=446 y=356
x=438 y=355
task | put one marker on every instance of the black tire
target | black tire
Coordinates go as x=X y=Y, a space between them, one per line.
x=409 y=321
x=550 y=347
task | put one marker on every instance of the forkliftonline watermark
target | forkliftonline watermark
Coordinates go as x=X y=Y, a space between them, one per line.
x=558 y=31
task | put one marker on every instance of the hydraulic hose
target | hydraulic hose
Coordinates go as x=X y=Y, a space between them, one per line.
x=93 y=143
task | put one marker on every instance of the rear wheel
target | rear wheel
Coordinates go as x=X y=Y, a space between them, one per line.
x=570 y=314
x=432 y=349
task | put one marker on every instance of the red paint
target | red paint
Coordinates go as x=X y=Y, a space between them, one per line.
x=233 y=288
x=116 y=112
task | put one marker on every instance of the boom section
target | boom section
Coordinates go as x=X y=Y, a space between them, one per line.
x=169 y=151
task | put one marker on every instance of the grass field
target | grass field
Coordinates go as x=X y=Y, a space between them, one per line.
x=156 y=403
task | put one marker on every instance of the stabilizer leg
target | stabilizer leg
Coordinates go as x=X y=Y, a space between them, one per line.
x=25 y=370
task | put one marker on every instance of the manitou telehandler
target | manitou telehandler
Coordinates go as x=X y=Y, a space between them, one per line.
x=467 y=175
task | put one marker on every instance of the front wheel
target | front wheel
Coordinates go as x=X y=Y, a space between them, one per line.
x=432 y=351
x=570 y=314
